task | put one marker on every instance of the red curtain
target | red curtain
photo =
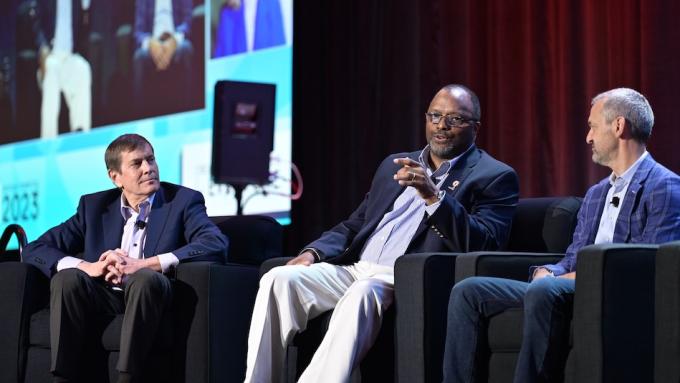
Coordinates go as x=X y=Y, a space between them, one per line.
x=537 y=64
x=366 y=70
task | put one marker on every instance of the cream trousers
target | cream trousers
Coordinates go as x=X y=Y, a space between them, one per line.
x=289 y=296
x=69 y=73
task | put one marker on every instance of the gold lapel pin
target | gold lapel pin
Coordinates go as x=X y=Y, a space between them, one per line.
x=454 y=185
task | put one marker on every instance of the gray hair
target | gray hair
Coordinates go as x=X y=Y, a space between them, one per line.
x=631 y=105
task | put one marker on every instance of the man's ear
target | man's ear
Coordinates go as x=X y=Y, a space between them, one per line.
x=620 y=125
x=113 y=175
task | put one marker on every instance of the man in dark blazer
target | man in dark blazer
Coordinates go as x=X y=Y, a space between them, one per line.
x=162 y=67
x=451 y=196
x=111 y=256
x=61 y=31
x=638 y=203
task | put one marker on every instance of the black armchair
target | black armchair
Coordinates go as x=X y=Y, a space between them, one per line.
x=667 y=318
x=611 y=337
x=541 y=231
x=414 y=329
x=206 y=336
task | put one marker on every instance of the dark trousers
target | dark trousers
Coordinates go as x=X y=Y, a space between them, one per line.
x=77 y=304
x=547 y=304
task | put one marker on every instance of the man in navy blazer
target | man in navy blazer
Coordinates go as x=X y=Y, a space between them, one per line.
x=451 y=196
x=162 y=64
x=111 y=256
x=638 y=203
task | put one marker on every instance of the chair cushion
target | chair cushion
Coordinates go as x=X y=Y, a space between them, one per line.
x=40 y=329
x=252 y=239
x=543 y=225
x=505 y=331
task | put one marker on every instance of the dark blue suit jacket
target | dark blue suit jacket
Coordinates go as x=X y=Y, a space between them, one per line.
x=650 y=212
x=476 y=214
x=177 y=223
x=45 y=23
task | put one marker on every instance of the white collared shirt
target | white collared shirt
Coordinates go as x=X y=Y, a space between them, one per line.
x=134 y=236
x=617 y=192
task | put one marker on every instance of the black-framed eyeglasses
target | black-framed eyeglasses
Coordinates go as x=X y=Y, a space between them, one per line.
x=450 y=120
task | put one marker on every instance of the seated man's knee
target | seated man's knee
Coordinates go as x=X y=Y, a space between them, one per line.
x=184 y=52
x=540 y=293
x=281 y=277
x=69 y=280
x=368 y=290
x=148 y=280
x=466 y=291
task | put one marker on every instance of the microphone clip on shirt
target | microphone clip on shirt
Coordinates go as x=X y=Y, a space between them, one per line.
x=140 y=225
x=615 y=201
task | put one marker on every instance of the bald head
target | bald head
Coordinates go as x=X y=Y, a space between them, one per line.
x=451 y=122
x=466 y=98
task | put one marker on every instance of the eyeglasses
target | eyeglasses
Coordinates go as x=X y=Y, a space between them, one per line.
x=450 y=120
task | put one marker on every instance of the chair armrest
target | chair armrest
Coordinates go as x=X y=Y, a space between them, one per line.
x=272 y=263
x=613 y=322
x=501 y=264
x=422 y=285
x=215 y=304
x=667 y=309
x=24 y=290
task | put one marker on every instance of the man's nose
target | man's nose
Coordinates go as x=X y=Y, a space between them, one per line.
x=442 y=125
x=589 y=138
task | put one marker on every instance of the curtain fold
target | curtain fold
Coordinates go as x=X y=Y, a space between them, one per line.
x=365 y=72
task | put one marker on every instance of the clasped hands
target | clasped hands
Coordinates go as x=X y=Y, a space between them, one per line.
x=413 y=174
x=113 y=265
x=161 y=50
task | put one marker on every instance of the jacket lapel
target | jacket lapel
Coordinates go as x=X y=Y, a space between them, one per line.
x=461 y=170
x=623 y=222
x=453 y=181
x=112 y=223
x=157 y=220
x=598 y=202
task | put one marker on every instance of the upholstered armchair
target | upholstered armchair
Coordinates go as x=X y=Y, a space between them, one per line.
x=205 y=336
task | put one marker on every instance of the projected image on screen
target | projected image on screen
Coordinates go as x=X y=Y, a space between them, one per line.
x=240 y=26
x=88 y=63
x=75 y=74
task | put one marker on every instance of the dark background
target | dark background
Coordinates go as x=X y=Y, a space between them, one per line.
x=366 y=70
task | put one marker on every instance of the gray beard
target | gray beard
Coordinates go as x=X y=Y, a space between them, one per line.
x=443 y=152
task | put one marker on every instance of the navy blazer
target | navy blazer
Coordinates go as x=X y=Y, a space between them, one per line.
x=177 y=223
x=475 y=213
x=650 y=212
x=45 y=23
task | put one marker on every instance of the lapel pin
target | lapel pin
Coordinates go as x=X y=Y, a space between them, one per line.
x=454 y=185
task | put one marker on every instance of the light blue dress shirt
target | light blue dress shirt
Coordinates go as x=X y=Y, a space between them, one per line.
x=396 y=229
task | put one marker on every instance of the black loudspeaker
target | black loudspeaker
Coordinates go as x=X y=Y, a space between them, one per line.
x=243 y=132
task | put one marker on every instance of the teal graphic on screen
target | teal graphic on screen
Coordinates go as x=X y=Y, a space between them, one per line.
x=129 y=67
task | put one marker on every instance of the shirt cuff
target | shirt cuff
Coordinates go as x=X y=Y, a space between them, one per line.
x=68 y=262
x=145 y=43
x=179 y=38
x=315 y=252
x=557 y=270
x=431 y=209
x=167 y=260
